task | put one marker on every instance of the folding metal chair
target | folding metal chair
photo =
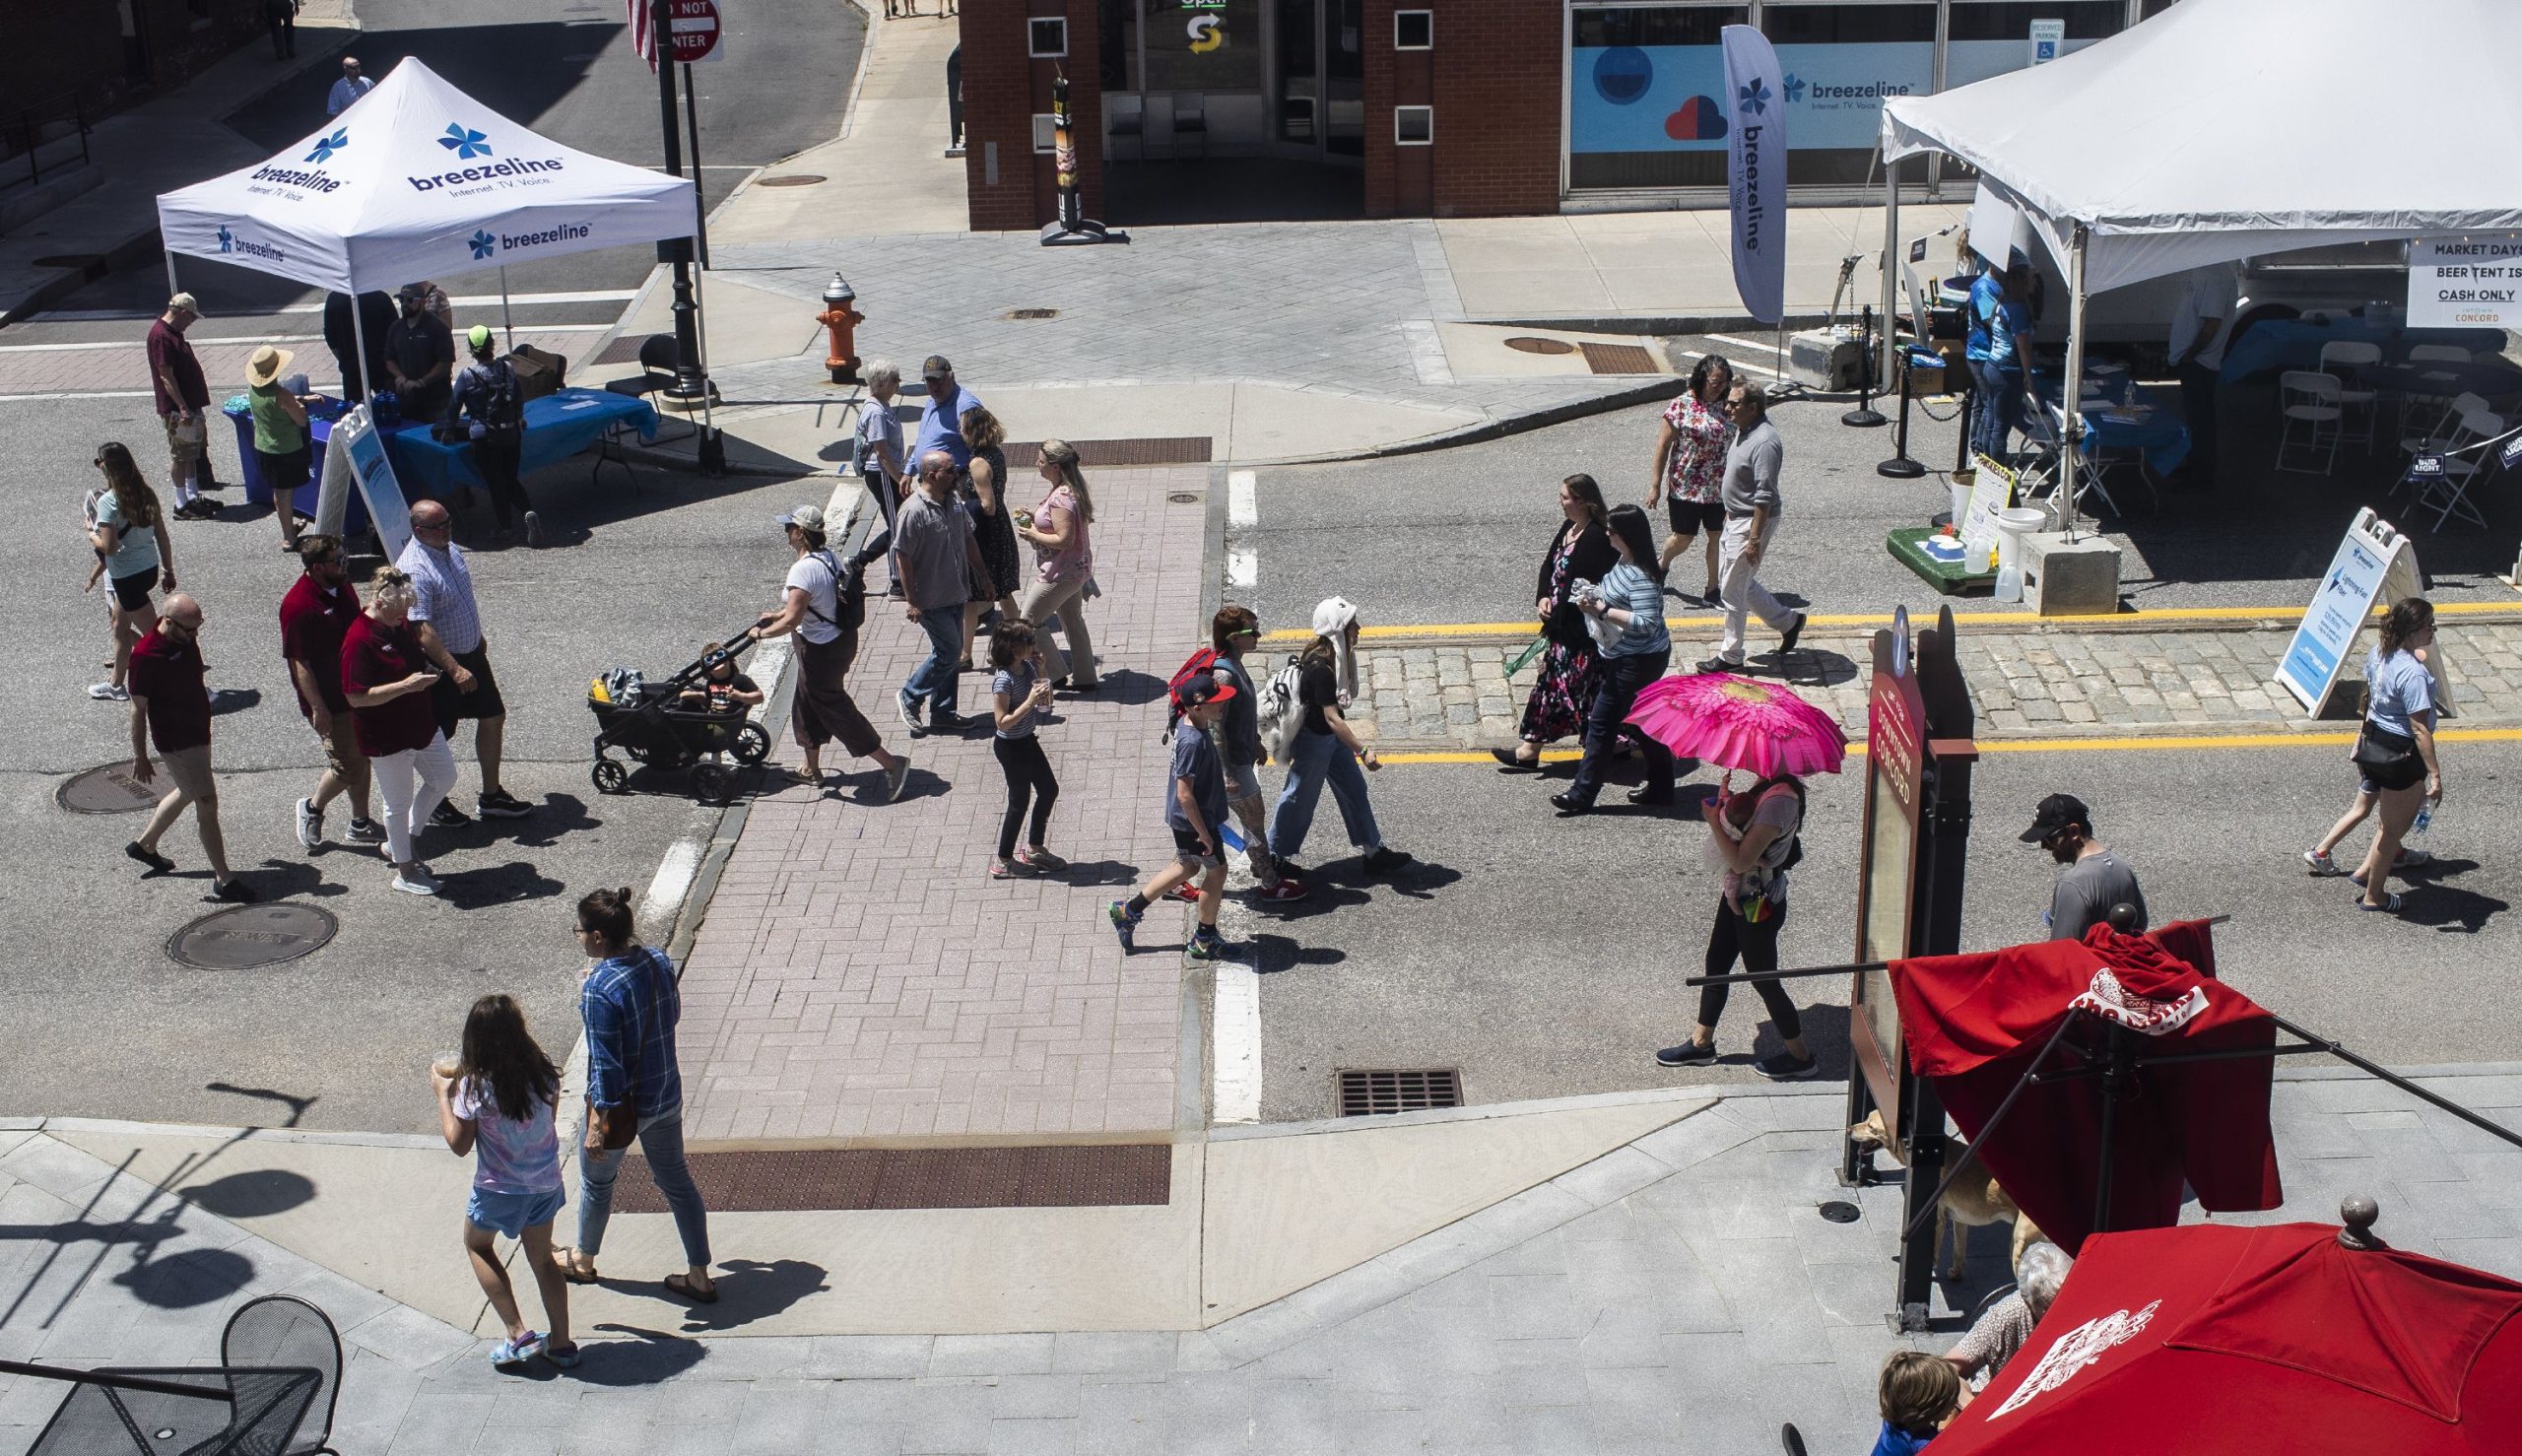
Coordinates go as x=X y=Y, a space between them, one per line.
x=2345 y=359
x=2308 y=403
x=2445 y=487
x=2044 y=429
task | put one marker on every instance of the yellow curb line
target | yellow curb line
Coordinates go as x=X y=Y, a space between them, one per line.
x=2067 y=744
x=1821 y=619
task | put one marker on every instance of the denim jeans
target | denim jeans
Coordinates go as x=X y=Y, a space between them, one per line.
x=1321 y=757
x=933 y=681
x=661 y=1139
x=1607 y=722
x=1997 y=414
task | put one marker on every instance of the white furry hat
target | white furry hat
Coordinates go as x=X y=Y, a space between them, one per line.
x=1332 y=618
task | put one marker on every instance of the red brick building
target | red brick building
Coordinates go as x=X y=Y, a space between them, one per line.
x=1229 y=109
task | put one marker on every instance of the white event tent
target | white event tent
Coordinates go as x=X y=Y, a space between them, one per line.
x=2226 y=128
x=417 y=180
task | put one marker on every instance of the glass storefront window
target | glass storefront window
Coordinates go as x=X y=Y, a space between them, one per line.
x=1990 y=39
x=1840 y=60
x=1203 y=45
x=1645 y=84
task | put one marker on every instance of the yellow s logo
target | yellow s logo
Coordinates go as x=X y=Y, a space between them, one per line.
x=1206 y=35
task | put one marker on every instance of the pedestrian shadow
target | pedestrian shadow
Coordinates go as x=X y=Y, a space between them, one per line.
x=225 y=700
x=1812 y=667
x=1269 y=955
x=750 y=1289
x=1127 y=687
x=496 y=885
x=1095 y=871
x=554 y=815
x=2449 y=909
x=647 y=1357
x=290 y=879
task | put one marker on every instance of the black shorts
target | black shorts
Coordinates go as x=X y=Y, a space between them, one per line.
x=283 y=474
x=1689 y=516
x=1187 y=851
x=131 y=593
x=453 y=703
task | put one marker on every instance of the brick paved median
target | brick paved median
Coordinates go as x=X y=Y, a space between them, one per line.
x=2034 y=681
x=859 y=973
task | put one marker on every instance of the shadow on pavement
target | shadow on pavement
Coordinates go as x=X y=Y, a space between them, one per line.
x=750 y=1289
x=496 y=884
x=648 y=1358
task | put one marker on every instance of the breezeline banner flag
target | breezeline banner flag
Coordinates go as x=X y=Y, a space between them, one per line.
x=1756 y=170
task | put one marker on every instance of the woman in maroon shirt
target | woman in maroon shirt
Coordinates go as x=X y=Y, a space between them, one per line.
x=387 y=680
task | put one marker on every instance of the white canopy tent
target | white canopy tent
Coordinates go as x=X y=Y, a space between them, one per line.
x=2224 y=128
x=417 y=180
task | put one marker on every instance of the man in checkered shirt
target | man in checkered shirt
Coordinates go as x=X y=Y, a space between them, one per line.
x=449 y=623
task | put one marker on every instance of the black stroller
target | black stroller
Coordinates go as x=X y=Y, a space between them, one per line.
x=652 y=726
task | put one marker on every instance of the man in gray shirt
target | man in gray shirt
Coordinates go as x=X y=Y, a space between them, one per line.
x=933 y=541
x=1752 y=508
x=2096 y=880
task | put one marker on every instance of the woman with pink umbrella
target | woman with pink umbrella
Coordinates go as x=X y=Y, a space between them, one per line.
x=1760 y=728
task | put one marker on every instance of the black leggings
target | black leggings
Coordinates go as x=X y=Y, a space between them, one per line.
x=1757 y=946
x=495 y=455
x=1028 y=776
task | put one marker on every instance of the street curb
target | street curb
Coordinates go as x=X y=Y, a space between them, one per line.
x=1664 y=387
x=1659 y=323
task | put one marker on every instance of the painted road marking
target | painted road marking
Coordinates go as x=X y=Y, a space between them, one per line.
x=469 y=300
x=1242 y=568
x=11 y=399
x=1243 y=500
x=538 y=328
x=1235 y=1045
x=2137 y=619
x=2164 y=743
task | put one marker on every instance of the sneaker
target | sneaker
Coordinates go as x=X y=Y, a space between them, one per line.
x=2321 y=864
x=156 y=863
x=447 y=817
x=533 y=530
x=1041 y=861
x=1207 y=945
x=1124 y=924
x=1006 y=869
x=109 y=693
x=500 y=804
x=895 y=777
x=310 y=826
x=1279 y=893
x=517 y=1352
x=236 y=892
x=1188 y=892
x=365 y=831
x=909 y=709
x=418 y=882
x=1688 y=1054
x=1385 y=859
x=1784 y=1066
x=943 y=720
x=2414 y=857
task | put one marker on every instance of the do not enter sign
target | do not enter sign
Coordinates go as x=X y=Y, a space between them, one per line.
x=694 y=29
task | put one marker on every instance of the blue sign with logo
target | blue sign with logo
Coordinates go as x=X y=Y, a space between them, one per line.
x=2356 y=579
x=1668 y=98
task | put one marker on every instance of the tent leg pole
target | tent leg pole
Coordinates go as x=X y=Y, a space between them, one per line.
x=1995 y=1120
x=507 y=320
x=173 y=287
x=2115 y=1076
x=1891 y=310
x=359 y=337
x=2071 y=390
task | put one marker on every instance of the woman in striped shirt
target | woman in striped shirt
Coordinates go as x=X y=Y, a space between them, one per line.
x=1630 y=597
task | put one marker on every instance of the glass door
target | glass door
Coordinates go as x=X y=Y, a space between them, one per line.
x=1319 y=79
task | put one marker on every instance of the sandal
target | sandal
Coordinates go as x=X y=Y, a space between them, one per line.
x=572 y=1270
x=567 y=1359
x=2390 y=904
x=681 y=1284
x=517 y=1352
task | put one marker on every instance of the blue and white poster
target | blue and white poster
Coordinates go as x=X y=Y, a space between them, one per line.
x=355 y=435
x=2372 y=559
x=1671 y=97
x=1755 y=171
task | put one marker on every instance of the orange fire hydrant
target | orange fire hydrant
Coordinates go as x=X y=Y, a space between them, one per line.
x=844 y=322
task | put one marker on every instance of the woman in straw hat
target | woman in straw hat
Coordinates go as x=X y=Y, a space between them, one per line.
x=279 y=436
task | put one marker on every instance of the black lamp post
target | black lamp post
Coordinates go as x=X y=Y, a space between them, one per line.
x=689 y=387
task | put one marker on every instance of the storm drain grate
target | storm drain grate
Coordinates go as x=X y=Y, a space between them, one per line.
x=1370 y=1094
x=824 y=1179
x=1024 y=313
x=1190 y=449
x=1619 y=358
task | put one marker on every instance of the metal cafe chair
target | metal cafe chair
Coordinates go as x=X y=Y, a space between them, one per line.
x=283 y=1331
x=2345 y=358
x=1191 y=118
x=1126 y=116
x=194 y=1410
x=657 y=373
x=2308 y=402
x=2445 y=489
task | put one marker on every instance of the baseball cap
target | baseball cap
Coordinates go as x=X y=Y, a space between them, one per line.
x=2056 y=812
x=185 y=302
x=1204 y=689
x=479 y=336
x=934 y=365
x=804 y=518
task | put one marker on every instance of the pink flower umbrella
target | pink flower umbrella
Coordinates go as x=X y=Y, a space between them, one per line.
x=1740 y=723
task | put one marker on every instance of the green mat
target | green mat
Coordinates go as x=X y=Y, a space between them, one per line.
x=1952 y=578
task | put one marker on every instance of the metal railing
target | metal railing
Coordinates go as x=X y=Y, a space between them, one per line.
x=24 y=135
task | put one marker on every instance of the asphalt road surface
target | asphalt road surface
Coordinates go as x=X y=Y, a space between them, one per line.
x=101 y=1023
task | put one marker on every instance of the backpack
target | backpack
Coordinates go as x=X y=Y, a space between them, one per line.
x=848 y=593
x=502 y=401
x=1280 y=710
x=1200 y=664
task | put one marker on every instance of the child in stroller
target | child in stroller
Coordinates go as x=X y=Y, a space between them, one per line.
x=689 y=721
x=721 y=690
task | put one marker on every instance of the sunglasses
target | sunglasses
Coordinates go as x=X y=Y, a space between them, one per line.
x=439 y=526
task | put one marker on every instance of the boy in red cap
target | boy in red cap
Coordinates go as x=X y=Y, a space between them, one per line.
x=1195 y=811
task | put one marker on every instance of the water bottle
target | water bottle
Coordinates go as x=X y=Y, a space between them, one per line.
x=2424 y=817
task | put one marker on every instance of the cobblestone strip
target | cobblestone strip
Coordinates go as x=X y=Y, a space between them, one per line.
x=859 y=973
x=2028 y=684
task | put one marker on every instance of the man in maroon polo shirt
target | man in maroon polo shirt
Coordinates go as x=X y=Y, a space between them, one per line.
x=183 y=404
x=312 y=619
x=170 y=703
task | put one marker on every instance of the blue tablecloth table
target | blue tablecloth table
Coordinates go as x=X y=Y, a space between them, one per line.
x=557 y=427
x=319 y=433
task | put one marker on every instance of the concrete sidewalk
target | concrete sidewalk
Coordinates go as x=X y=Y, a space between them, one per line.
x=1676 y=1287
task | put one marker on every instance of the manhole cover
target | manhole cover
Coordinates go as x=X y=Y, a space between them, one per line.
x=71 y=260
x=1530 y=345
x=1184 y=497
x=1365 y=1093
x=792 y=179
x=1838 y=1212
x=108 y=788
x=1030 y=314
x=243 y=937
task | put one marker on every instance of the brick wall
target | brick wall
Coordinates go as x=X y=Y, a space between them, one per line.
x=1493 y=80
x=1003 y=89
x=61 y=48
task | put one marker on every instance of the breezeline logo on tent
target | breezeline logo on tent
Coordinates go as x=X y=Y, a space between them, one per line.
x=484 y=245
x=229 y=242
x=464 y=142
x=312 y=181
x=325 y=147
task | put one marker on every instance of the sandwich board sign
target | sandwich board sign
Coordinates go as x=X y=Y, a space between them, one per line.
x=2374 y=565
x=355 y=435
x=1991 y=491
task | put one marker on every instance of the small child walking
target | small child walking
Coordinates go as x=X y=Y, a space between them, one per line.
x=497 y=1099
x=1196 y=813
x=1019 y=696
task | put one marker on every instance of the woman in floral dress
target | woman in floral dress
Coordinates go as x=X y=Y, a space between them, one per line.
x=1580 y=551
x=1689 y=461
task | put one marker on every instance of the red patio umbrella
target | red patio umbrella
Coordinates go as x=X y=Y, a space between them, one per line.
x=2211 y=1339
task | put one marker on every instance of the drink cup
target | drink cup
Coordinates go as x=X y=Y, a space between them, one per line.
x=445 y=1067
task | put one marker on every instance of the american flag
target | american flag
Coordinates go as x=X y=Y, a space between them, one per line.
x=644 y=39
